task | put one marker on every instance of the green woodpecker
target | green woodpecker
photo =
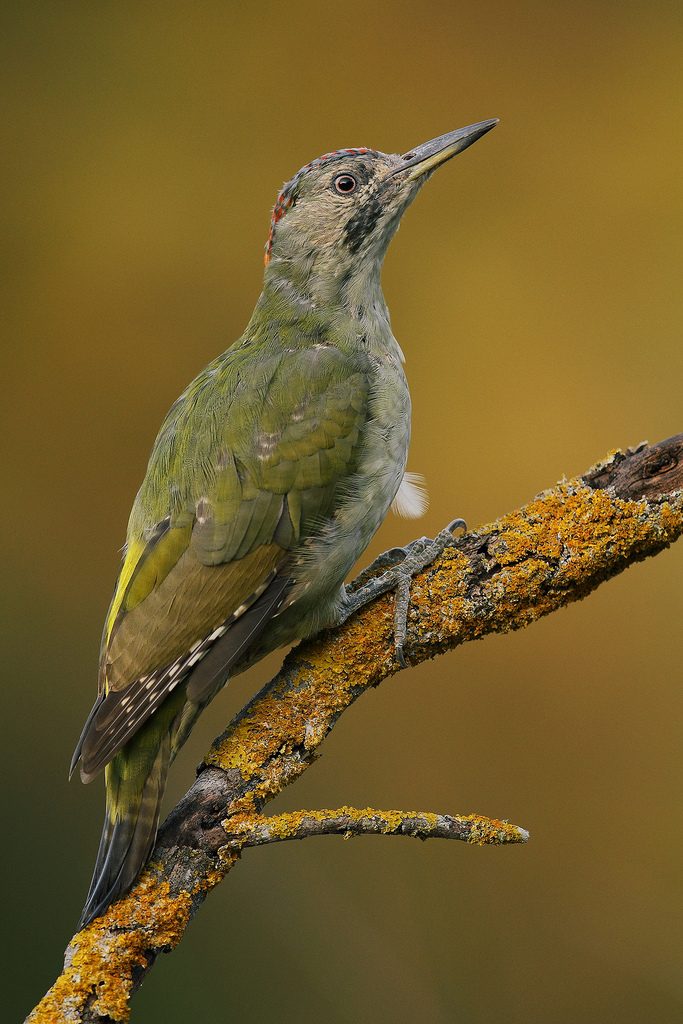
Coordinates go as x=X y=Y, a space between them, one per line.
x=269 y=477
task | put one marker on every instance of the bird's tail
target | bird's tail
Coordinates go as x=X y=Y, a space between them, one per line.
x=135 y=784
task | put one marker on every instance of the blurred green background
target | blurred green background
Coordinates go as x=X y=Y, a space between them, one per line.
x=536 y=289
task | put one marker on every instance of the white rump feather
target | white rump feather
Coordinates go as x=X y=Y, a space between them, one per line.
x=412 y=500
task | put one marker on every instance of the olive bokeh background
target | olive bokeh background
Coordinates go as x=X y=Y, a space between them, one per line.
x=536 y=289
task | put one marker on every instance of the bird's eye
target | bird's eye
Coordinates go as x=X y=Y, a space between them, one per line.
x=345 y=184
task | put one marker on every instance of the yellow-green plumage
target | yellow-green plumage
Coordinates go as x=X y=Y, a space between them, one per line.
x=268 y=478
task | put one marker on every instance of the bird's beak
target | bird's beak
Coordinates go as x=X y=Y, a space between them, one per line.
x=429 y=155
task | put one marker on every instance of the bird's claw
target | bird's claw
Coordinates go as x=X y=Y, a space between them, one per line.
x=398 y=576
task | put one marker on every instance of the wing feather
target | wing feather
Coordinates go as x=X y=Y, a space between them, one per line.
x=120 y=714
x=248 y=462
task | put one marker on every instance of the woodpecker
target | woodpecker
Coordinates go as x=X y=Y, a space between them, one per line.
x=268 y=479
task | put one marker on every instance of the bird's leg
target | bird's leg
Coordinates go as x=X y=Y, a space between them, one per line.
x=399 y=565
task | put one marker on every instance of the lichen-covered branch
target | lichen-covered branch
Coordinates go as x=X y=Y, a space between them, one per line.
x=259 y=830
x=501 y=577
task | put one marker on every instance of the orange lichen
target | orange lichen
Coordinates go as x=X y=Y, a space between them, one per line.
x=573 y=520
x=547 y=553
x=491 y=831
x=288 y=717
x=254 y=829
x=211 y=879
x=670 y=520
x=544 y=555
x=552 y=551
x=104 y=955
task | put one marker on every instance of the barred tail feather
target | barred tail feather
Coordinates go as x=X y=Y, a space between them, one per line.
x=130 y=827
x=138 y=762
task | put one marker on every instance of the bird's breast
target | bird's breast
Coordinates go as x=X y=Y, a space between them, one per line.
x=365 y=497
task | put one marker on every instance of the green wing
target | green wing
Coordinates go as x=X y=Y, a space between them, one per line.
x=250 y=461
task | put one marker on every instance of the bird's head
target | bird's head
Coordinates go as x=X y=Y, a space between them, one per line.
x=337 y=215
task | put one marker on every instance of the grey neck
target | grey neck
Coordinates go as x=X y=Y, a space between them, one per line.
x=355 y=291
x=350 y=308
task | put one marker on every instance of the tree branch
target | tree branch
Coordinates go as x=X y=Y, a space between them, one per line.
x=504 y=576
x=258 y=830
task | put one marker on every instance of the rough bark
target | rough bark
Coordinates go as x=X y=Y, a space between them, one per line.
x=501 y=577
x=255 y=830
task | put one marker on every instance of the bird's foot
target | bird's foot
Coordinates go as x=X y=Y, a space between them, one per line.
x=398 y=566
